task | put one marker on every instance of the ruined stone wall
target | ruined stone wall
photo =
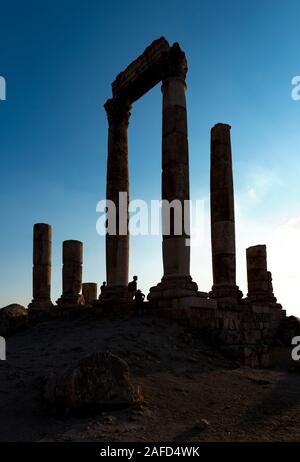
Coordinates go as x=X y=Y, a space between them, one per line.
x=244 y=332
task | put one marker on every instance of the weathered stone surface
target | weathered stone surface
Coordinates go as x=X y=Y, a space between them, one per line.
x=259 y=278
x=73 y=251
x=174 y=122
x=89 y=292
x=240 y=332
x=223 y=242
x=222 y=217
x=117 y=245
x=176 y=258
x=42 y=254
x=173 y=89
x=13 y=318
x=270 y=283
x=175 y=144
x=175 y=180
x=143 y=73
x=175 y=66
x=99 y=382
x=176 y=281
x=42 y=239
x=72 y=273
x=172 y=288
x=158 y=62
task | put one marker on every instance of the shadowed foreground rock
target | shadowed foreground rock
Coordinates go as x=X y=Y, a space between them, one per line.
x=289 y=328
x=100 y=381
x=13 y=318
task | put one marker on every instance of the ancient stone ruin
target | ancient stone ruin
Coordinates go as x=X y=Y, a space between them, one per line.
x=159 y=63
x=243 y=327
x=222 y=217
x=42 y=261
x=72 y=273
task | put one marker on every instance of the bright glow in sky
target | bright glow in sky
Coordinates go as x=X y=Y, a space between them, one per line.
x=59 y=58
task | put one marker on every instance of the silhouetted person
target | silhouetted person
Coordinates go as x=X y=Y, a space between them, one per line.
x=132 y=286
x=103 y=287
x=139 y=302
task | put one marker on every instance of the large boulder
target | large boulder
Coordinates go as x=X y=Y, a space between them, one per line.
x=98 y=382
x=289 y=328
x=13 y=318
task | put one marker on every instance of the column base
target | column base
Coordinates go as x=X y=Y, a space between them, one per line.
x=173 y=287
x=70 y=299
x=260 y=297
x=40 y=305
x=115 y=301
x=114 y=293
x=225 y=293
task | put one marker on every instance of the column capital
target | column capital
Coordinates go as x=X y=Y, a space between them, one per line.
x=170 y=79
x=175 y=64
x=117 y=111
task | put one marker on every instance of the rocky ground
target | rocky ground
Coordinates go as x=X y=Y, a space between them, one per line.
x=192 y=392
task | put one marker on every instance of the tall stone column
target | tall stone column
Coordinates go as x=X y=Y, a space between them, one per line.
x=222 y=217
x=117 y=191
x=259 y=278
x=42 y=256
x=175 y=176
x=89 y=292
x=71 y=273
x=176 y=280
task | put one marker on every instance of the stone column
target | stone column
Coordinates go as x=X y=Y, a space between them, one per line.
x=42 y=256
x=117 y=244
x=222 y=217
x=71 y=273
x=176 y=280
x=89 y=292
x=175 y=176
x=259 y=278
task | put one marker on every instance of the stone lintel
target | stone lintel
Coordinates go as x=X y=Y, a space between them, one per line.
x=158 y=62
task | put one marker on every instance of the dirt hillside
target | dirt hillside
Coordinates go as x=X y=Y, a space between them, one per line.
x=192 y=392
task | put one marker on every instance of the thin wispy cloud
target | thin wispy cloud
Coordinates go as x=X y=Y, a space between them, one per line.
x=258 y=184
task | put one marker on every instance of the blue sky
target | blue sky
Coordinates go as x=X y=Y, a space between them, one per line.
x=59 y=59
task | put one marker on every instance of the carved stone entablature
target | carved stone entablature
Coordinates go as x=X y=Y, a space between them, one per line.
x=143 y=73
x=159 y=62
